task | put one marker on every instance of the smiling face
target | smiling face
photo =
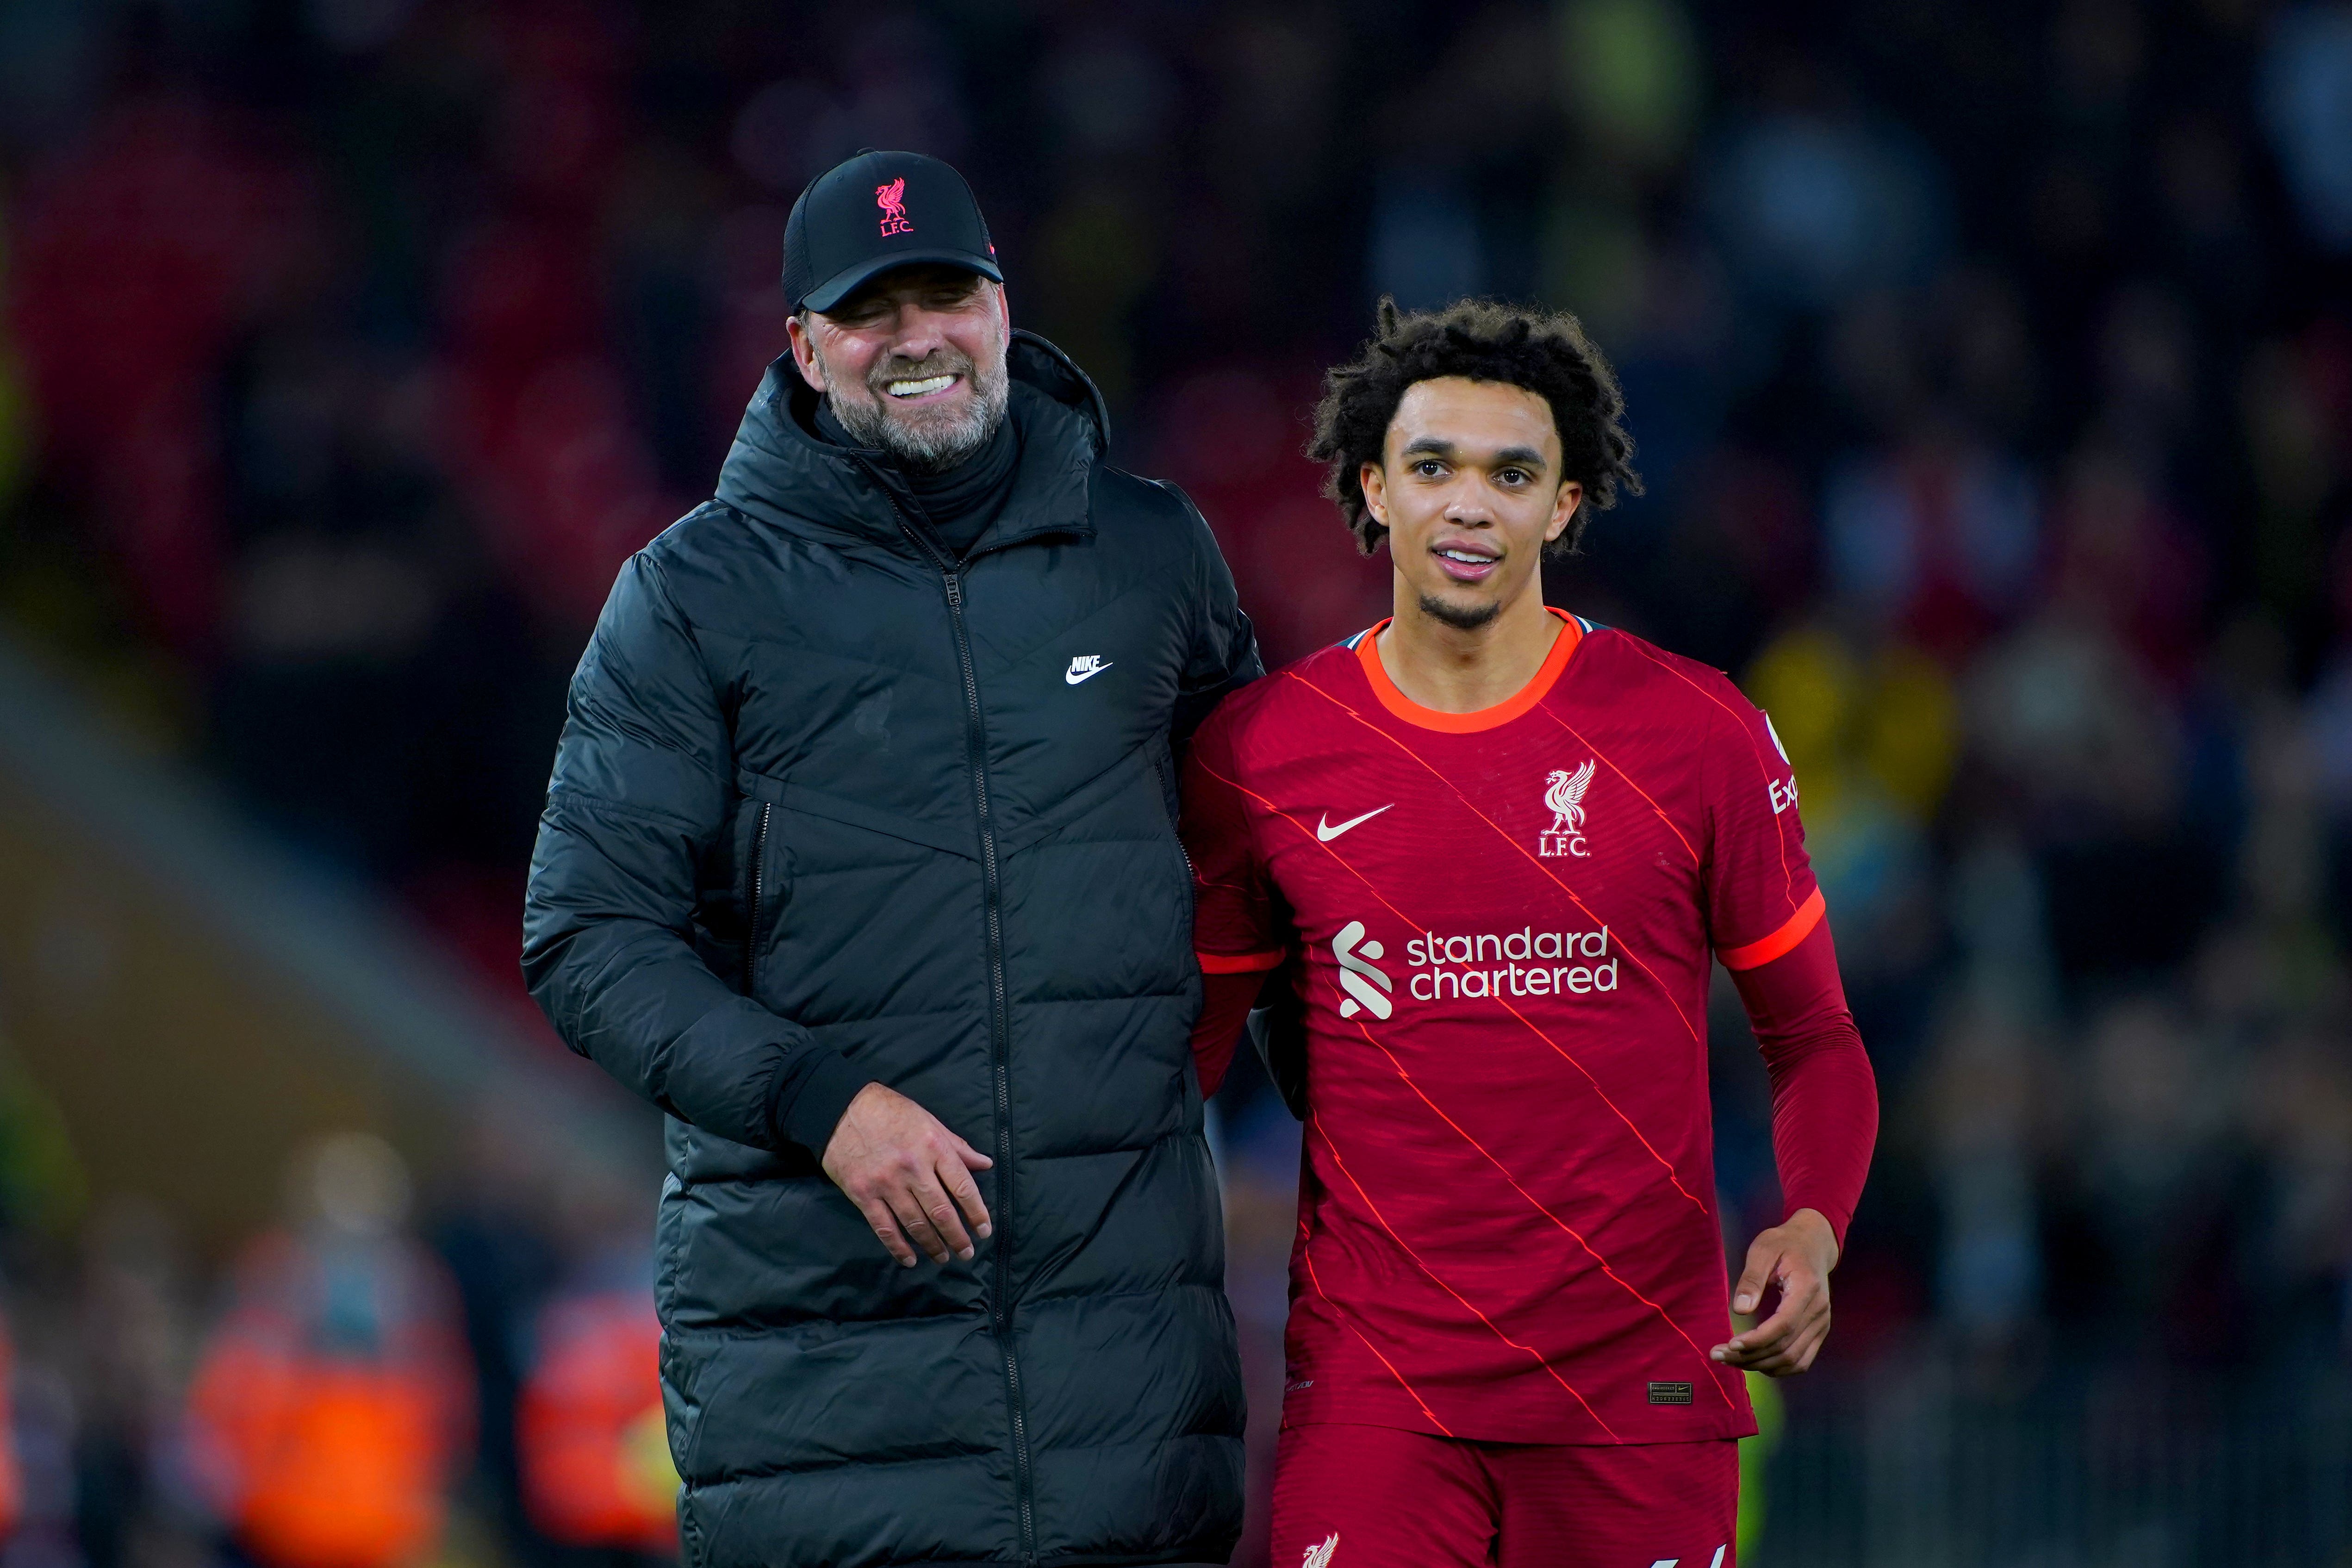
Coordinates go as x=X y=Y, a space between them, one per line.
x=1469 y=487
x=913 y=362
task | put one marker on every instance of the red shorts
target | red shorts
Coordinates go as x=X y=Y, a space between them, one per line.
x=1392 y=1498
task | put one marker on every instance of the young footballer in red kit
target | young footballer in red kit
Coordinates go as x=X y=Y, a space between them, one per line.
x=1493 y=849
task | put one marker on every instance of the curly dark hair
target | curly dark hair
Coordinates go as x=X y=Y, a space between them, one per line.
x=1545 y=352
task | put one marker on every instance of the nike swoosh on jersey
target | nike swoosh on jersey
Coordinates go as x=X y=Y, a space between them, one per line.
x=1085 y=667
x=1326 y=832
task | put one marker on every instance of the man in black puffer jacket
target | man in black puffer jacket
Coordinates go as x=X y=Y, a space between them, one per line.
x=859 y=862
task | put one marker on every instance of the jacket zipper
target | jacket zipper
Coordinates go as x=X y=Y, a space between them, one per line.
x=752 y=923
x=1175 y=827
x=1000 y=1024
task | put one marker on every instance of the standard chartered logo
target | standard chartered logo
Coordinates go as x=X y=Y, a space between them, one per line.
x=1357 y=976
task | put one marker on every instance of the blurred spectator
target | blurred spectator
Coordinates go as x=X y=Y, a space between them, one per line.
x=2306 y=103
x=492 y=1224
x=138 y=1341
x=1986 y=1131
x=2154 y=1115
x=2067 y=718
x=47 y=1523
x=138 y=256
x=12 y=1474
x=1937 y=542
x=2300 y=1106
x=1873 y=748
x=334 y=1401
x=595 y=1451
x=1631 y=72
x=1815 y=203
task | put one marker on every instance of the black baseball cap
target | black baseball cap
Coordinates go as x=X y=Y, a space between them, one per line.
x=877 y=211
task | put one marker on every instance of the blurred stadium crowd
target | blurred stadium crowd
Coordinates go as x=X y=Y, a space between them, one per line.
x=1991 y=368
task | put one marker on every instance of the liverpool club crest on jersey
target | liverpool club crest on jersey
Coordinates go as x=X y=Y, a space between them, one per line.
x=1564 y=795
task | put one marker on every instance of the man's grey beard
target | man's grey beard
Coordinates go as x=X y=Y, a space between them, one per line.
x=1461 y=620
x=936 y=443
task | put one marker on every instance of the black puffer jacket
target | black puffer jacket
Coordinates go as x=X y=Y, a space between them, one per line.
x=824 y=789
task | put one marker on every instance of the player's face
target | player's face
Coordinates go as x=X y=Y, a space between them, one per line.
x=914 y=361
x=1469 y=485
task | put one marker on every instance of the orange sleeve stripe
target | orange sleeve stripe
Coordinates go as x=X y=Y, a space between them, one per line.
x=1795 y=930
x=1237 y=962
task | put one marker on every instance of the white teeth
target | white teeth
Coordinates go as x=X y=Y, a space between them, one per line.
x=1466 y=557
x=918 y=388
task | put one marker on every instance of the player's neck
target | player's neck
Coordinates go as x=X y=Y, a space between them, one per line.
x=1457 y=670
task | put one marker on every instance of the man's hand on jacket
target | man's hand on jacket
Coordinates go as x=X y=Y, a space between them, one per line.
x=908 y=1175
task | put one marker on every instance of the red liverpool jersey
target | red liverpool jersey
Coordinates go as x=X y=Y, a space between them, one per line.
x=1501 y=923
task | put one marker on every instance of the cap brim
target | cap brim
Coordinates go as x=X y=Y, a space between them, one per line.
x=849 y=279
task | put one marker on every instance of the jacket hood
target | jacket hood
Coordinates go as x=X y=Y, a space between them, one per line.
x=782 y=471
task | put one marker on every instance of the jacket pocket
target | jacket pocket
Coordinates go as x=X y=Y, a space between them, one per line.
x=762 y=888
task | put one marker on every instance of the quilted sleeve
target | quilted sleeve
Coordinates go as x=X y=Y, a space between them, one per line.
x=638 y=797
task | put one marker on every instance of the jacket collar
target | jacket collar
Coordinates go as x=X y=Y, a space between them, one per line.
x=782 y=471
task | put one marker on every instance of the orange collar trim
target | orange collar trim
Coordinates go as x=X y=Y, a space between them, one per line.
x=1572 y=635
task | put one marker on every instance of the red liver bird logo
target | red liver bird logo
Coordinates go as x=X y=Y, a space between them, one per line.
x=892 y=199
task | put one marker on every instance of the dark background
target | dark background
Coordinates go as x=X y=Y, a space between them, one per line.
x=1990 y=366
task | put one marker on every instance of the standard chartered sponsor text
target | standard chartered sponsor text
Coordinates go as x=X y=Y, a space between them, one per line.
x=1503 y=963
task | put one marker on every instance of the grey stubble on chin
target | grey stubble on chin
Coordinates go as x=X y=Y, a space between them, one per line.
x=1460 y=617
x=933 y=447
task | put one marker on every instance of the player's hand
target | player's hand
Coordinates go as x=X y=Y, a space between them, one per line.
x=908 y=1175
x=1795 y=1259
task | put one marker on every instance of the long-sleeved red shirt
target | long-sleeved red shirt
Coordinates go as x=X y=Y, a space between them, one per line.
x=1502 y=926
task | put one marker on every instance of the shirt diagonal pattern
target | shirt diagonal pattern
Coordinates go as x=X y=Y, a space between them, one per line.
x=1508 y=1229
